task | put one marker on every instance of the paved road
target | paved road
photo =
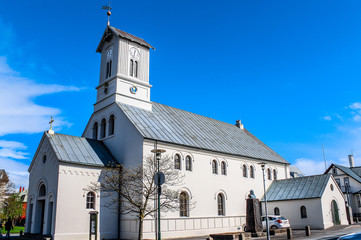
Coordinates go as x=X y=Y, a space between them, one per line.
x=332 y=233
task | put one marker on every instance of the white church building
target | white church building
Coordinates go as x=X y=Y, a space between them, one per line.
x=218 y=159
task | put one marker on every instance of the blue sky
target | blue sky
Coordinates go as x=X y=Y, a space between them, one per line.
x=290 y=70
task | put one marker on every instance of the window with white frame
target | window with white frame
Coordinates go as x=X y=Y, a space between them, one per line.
x=303 y=212
x=269 y=177
x=183 y=204
x=90 y=200
x=177 y=161
x=274 y=174
x=251 y=172
x=95 y=131
x=214 y=167
x=220 y=203
x=244 y=169
x=223 y=168
x=188 y=163
x=111 y=124
x=103 y=127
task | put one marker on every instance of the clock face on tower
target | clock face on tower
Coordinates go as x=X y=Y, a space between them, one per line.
x=134 y=53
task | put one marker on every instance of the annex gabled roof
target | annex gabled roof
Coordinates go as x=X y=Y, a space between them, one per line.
x=168 y=124
x=297 y=188
x=79 y=150
x=346 y=170
x=121 y=34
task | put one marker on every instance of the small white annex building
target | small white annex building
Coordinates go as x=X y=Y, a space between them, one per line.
x=315 y=201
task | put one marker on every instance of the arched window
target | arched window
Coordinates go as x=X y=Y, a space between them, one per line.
x=131 y=67
x=251 y=172
x=223 y=168
x=274 y=174
x=214 y=167
x=183 y=204
x=177 y=161
x=102 y=128
x=188 y=163
x=111 y=125
x=303 y=212
x=95 y=131
x=220 y=203
x=136 y=69
x=90 y=200
x=42 y=191
x=277 y=211
x=269 y=177
x=109 y=69
x=244 y=168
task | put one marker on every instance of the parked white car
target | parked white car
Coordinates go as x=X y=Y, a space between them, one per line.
x=275 y=222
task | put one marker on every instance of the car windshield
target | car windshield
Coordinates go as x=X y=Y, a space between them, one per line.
x=282 y=218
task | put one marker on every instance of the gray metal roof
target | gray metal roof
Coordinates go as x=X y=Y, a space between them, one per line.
x=173 y=125
x=79 y=150
x=349 y=172
x=130 y=37
x=297 y=188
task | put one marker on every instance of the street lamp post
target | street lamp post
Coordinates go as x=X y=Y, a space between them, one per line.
x=265 y=198
x=159 y=182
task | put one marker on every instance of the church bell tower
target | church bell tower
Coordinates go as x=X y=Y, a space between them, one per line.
x=124 y=70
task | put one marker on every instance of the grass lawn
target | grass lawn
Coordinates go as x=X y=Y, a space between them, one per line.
x=16 y=229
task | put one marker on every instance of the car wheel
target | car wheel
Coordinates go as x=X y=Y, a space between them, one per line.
x=274 y=227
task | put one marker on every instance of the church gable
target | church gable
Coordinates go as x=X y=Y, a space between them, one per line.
x=44 y=154
x=111 y=31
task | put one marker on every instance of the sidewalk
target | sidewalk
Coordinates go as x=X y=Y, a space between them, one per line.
x=328 y=234
x=331 y=233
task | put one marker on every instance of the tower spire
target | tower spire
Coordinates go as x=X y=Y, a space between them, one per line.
x=107 y=7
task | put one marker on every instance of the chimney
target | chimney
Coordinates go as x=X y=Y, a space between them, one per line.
x=350 y=159
x=20 y=190
x=239 y=124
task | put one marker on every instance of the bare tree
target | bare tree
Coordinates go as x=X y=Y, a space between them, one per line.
x=7 y=187
x=133 y=190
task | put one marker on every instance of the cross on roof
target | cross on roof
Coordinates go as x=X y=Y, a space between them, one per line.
x=51 y=122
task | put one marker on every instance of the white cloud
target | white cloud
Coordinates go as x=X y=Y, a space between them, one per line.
x=327 y=118
x=355 y=106
x=18 y=111
x=313 y=167
x=11 y=149
x=309 y=166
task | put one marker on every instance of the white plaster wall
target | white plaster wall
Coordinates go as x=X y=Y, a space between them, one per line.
x=126 y=145
x=319 y=214
x=291 y=210
x=326 y=200
x=203 y=187
x=73 y=219
x=355 y=186
x=42 y=173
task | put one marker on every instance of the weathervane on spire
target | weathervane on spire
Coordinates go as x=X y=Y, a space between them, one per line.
x=107 y=7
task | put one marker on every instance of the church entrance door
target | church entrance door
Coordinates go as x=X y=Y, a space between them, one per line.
x=335 y=215
x=49 y=221
x=40 y=209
